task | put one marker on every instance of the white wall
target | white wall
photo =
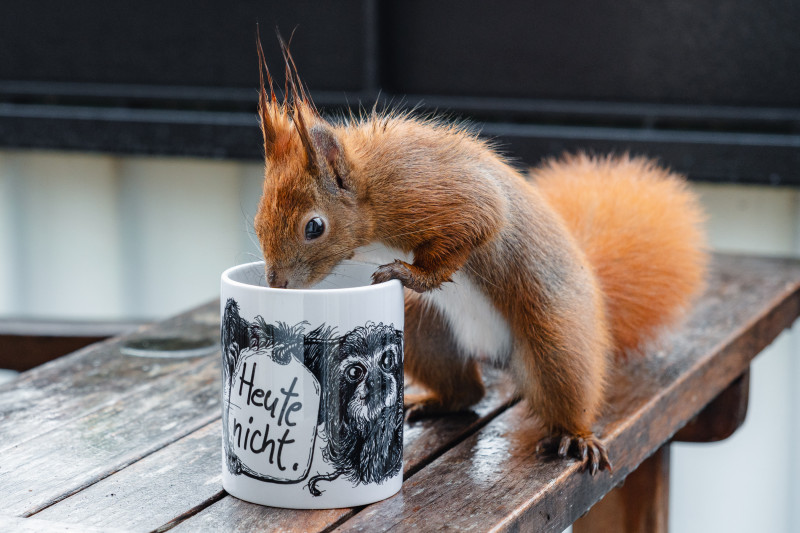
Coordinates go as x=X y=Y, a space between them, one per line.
x=750 y=482
x=103 y=237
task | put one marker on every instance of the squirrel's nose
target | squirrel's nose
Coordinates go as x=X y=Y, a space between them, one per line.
x=277 y=281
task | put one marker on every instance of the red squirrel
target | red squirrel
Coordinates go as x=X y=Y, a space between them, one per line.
x=549 y=275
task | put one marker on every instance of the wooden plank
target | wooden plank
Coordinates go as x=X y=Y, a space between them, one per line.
x=33 y=525
x=423 y=442
x=171 y=481
x=92 y=378
x=66 y=328
x=37 y=472
x=721 y=338
x=182 y=478
x=23 y=352
x=639 y=505
x=432 y=437
x=722 y=417
x=493 y=480
x=235 y=516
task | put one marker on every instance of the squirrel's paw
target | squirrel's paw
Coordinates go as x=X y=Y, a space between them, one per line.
x=589 y=450
x=410 y=276
x=399 y=270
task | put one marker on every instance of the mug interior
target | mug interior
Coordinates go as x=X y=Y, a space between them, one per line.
x=348 y=275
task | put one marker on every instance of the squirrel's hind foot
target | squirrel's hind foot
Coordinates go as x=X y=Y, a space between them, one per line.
x=589 y=450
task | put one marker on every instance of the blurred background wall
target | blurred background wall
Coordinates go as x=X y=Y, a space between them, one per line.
x=130 y=172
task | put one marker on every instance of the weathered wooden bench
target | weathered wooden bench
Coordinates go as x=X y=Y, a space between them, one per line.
x=99 y=439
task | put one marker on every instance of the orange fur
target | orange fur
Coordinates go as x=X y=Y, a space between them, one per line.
x=640 y=228
x=589 y=258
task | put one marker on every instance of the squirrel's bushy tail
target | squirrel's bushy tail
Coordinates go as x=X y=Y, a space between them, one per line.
x=641 y=229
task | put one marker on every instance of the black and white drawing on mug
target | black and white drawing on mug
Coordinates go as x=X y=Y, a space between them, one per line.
x=362 y=405
x=353 y=382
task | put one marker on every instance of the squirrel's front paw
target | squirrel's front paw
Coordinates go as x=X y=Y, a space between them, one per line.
x=399 y=270
x=410 y=276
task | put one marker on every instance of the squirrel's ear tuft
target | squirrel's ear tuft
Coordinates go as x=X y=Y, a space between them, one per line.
x=329 y=150
x=267 y=105
x=305 y=137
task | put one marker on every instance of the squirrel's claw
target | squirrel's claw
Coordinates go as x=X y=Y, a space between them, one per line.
x=408 y=275
x=395 y=270
x=589 y=450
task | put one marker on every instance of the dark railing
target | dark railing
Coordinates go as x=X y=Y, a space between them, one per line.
x=712 y=88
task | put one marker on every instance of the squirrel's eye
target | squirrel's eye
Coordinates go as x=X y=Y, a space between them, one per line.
x=314 y=228
x=354 y=372
x=387 y=360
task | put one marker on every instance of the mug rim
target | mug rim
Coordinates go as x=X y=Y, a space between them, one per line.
x=226 y=278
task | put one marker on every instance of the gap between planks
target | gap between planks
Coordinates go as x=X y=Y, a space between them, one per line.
x=123 y=466
x=348 y=514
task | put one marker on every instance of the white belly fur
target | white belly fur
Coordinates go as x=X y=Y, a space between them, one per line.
x=478 y=328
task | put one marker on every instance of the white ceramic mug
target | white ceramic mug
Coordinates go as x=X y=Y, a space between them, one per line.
x=312 y=389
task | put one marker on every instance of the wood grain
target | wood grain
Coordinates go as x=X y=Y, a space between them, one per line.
x=49 y=466
x=93 y=378
x=96 y=423
x=183 y=478
x=493 y=481
x=423 y=442
x=153 y=491
x=34 y=525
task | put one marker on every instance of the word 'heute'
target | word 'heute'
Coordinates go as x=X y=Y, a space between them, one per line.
x=258 y=442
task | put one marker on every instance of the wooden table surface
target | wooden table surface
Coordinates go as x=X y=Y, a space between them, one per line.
x=103 y=441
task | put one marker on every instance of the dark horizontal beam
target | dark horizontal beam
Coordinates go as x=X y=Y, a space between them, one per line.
x=228 y=135
x=748 y=158
x=26 y=344
x=720 y=156
x=484 y=108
